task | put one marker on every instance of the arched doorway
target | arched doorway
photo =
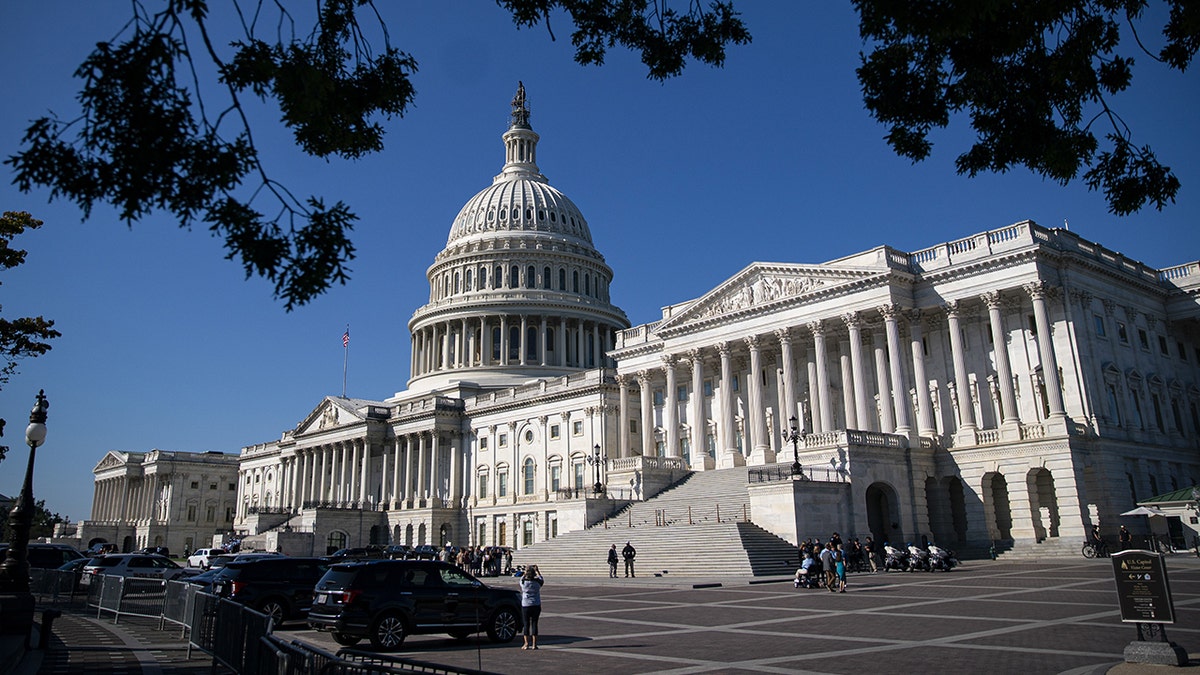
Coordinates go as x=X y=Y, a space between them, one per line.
x=958 y=509
x=883 y=513
x=127 y=544
x=996 y=506
x=397 y=535
x=337 y=540
x=421 y=534
x=378 y=535
x=1042 y=496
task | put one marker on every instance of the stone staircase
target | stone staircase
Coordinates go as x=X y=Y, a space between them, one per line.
x=698 y=527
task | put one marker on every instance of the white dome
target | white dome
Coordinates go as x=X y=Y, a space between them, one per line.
x=515 y=204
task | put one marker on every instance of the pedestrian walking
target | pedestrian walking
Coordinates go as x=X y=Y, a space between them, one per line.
x=612 y=562
x=839 y=562
x=531 y=605
x=827 y=565
x=629 y=553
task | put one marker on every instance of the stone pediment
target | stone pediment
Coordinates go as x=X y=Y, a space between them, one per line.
x=763 y=284
x=333 y=412
x=111 y=460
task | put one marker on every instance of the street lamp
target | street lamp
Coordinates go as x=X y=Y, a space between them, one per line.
x=595 y=460
x=794 y=435
x=16 y=602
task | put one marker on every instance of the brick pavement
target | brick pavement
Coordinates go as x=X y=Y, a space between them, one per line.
x=987 y=617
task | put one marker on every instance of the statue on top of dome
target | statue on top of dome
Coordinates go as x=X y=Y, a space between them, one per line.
x=520 y=113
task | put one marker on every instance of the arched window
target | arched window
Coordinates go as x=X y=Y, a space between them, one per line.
x=498 y=276
x=531 y=343
x=482 y=277
x=527 y=475
x=495 y=343
x=468 y=280
x=562 y=279
x=546 y=278
x=587 y=284
x=514 y=342
x=514 y=277
x=530 y=277
x=456 y=280
x=575 y=281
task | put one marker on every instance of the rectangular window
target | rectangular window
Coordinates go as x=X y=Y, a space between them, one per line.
x=556 y=477
x=708 y=388
x=1162 y=345
x=681 y=394
x=210 y=514
x=502 y=484
x=1032 y=325
x=658 y=397
x=1143 y=339
x=633 y=426
x=1182 y=351
x=577 y=428
x=228 y=513
x=195 y=485
x=1122 y=334
x=1099 y=324
x=233 y=487
x=578 y=475
x=483 y=486
x=502 y=441
x=483 y=443
x=212 y=486
x=736 y=386
x=660 y=449
x=554 y=431
x=191 y=514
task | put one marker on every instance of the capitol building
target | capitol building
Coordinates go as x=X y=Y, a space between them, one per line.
x=1018 y=385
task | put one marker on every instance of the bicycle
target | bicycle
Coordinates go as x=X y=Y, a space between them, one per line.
x=1093 y=549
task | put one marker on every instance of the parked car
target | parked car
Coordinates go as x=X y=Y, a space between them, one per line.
x=131 y=565
x=358 y=553
x=202 y=557
x=102 y=548
x=45 y=556
x=75 y=566
x=397 y=551
x=387 y=600
x=155 y=550
x=424 y=552
x=279 y=586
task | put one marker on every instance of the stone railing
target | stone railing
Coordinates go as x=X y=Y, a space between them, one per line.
x=832 y=439
x=1032 y=431
x=640 y=463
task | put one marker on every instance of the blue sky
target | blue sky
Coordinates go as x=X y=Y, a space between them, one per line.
x=771 y=158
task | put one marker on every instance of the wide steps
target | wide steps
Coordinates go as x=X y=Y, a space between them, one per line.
x=695 y=528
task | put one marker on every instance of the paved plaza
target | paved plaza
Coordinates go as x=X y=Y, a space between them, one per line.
x=986 y=617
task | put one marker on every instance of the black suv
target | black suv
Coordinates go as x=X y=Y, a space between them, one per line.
x=387 y=600
x=45 y=556
x=279 y=586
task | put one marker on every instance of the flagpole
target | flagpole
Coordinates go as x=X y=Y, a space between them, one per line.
x=345 y=357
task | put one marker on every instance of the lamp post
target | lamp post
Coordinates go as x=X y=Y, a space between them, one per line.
x=16 y=602
x=595 y=460
x=793 y=435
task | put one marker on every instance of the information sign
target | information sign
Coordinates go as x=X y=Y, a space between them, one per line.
x=1142 y=587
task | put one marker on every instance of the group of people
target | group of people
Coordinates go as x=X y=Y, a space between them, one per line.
x=628 y=554
x=480 y=560
x=824 y=565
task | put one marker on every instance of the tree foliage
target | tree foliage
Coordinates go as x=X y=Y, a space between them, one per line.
x=1037 y=79
x=26 y=336
x=149 y=138
x=44 y=521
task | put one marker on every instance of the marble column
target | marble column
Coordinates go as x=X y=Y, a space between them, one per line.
x=645 y=395
x=891 y=315
x=756 y=425
x=730 y=457
x=1008 y=398
x=847 y=372
x=887 y=421
x=966 y=411
x=700 y=459
x=818 y=331
x=670 y=408
x=789 y=374
x=925 y=424
x=864 y=407
x=623 y=415
x=1037 y=292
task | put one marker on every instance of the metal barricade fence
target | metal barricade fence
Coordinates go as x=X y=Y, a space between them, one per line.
x=53 y=587
x=236 y=635
x=178 y=597
x=142 y=597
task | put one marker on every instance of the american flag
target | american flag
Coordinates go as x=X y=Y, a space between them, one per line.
x=346 y=338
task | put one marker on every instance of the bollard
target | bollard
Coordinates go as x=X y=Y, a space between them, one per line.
x=48 y=618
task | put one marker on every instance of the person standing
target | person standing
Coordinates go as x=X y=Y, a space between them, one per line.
x=827 y=566
x=869 y=551
x=629 y=553
x=839 y=563
x=1126 y=539
x=531 y=605
x=612 y=562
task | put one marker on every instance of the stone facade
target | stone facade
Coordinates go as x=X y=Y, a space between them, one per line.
x=180 y=500
x=1020 y=384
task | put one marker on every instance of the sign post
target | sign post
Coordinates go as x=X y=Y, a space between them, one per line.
x=1144 y=594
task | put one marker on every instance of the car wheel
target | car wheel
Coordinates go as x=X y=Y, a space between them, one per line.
x=461 y=633
x=345 y=640
x=274 y=609
x=388 y=631
x=503 y=625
